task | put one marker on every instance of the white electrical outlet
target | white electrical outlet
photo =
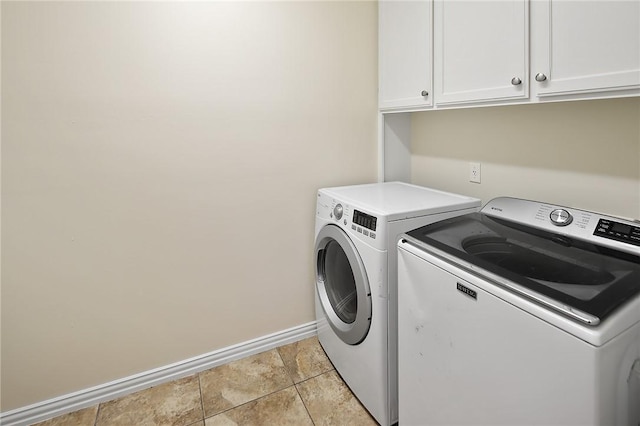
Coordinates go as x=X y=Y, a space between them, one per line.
x=474 y=172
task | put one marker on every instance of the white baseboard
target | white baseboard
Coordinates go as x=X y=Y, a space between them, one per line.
x=108 y=391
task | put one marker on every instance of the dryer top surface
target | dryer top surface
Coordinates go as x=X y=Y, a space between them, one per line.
x=399 y=200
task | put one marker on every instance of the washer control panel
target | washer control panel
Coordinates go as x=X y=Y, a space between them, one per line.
x=618 y=231
x=596 y=228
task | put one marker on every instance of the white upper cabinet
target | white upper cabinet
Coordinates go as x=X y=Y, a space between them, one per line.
x=497 y=52
x=481 y=50
x=404 y=54
x=585 y=47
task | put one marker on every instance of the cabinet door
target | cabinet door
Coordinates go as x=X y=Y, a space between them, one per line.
x=404 y=54
x=585 y=46
x=481 y=50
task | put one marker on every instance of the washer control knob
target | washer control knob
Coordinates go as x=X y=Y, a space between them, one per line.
x=337 y=211
x=560 y=217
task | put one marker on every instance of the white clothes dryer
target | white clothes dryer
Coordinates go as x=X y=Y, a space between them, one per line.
x=356 y=232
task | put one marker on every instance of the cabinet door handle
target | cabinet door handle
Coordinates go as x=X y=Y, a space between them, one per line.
x=424 y=93
x=540 y=77
x=516 y=81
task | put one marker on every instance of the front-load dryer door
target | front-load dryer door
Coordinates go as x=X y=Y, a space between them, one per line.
x=342 y=285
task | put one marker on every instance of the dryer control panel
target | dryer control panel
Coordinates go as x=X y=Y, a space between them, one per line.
x=365 y=220
x=357 y=222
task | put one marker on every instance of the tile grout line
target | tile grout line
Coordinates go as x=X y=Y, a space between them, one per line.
x=249 y=402
x=95 y=422
x=304 y=404
x=295 y=386
x=201 y=400
x=300 y=395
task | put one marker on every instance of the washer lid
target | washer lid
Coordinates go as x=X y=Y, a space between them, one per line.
x=585 y=281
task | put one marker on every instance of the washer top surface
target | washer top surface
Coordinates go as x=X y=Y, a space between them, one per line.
x=582 y=264
x=399 y=200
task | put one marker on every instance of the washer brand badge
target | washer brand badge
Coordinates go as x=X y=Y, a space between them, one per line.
x=467 y=291
x=496 y=208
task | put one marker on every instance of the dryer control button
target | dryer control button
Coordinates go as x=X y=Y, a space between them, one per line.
x=560 y=217
x=337 y=211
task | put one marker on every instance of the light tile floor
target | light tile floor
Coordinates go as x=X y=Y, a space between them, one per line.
x=291 y=385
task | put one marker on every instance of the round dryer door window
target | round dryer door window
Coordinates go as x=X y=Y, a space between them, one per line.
x=342 y=285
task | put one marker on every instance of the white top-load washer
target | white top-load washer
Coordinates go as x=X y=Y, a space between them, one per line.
x=356 y=232
x=524 y=313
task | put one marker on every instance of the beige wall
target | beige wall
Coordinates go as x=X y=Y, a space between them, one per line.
x=159 y=169
x=581 y=154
